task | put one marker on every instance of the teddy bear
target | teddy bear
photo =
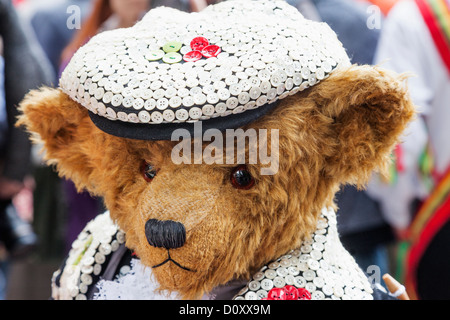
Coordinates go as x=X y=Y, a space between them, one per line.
x=218 y=141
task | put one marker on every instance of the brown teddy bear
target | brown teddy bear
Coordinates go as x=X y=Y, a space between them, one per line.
x=220 y=227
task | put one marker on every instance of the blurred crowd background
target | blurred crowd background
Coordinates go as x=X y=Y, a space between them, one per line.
x=398 y=225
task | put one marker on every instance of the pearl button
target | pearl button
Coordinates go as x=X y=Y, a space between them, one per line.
x=170 y=92
x=181 y=114
x=156 y=117
x=300 y=282
x=175 y=101
x=122 y=116
x=97 y=269
x=270 y=273
x=138 y=103
x=279 y=282
x=199 y=99
x=172 y=46
x=168 y=115
x=230 y=80
x=107 y=97
x=221 y=107
x=232 y=103
x=146 y=94
x=265 y=86
x=150 y=104
x=155 y=55
x=267 y=284
x=235 y=89
x=261 y=101
x=254 y=285
x=144 y=116
x=116 y=100
x=250 y=105
x=243 y=98
x=195 y=113
x=98 y=94
x=255 y=92
x=212 y=98
x=188 y=101
x=208 y=110
x=223 y=94
x=251 y=296
x=110 y=113
x=258 y=276
x=238 y=109
x=101 y=109
x=162 y=103
x=99 y=258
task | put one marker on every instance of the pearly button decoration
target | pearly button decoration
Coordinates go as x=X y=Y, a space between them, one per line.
x=238 y=55
x=321 y=265
x=98 y=240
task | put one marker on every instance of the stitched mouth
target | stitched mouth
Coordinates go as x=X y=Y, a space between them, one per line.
x=170 y=259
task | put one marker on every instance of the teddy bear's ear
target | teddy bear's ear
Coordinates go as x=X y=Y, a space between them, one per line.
x=61 y=125
x=369 y=108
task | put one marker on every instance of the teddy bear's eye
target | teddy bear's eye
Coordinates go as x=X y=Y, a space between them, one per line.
x=241 y=178
x=148 y=171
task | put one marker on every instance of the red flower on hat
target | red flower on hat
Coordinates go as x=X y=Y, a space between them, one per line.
x=288 y=293
x=303 y=294
x=201 y=48
x=276 y=294
x=193 y=55
x=198 y=43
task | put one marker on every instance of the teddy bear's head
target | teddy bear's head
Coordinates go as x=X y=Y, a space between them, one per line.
x=200 y=224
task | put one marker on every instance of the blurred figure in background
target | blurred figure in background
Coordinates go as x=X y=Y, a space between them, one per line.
x=363 y=229
x=46 y=26
x=21 y=71
x=53 y=26
x=416 y=39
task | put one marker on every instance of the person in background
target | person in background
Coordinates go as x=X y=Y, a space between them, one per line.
x=405 y=34
x=21 y=72
x=54 y=25
x=3 y=132
x=45 y=23
x=415 y=39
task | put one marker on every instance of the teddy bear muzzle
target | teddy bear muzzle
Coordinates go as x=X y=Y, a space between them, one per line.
x=166 y=234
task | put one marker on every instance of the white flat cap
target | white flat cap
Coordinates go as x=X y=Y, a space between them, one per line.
x=226 y=66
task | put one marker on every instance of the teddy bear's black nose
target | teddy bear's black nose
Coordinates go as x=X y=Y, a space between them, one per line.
x=165 y=233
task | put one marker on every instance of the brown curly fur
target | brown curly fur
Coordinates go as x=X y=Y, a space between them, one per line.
x=336 y=132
